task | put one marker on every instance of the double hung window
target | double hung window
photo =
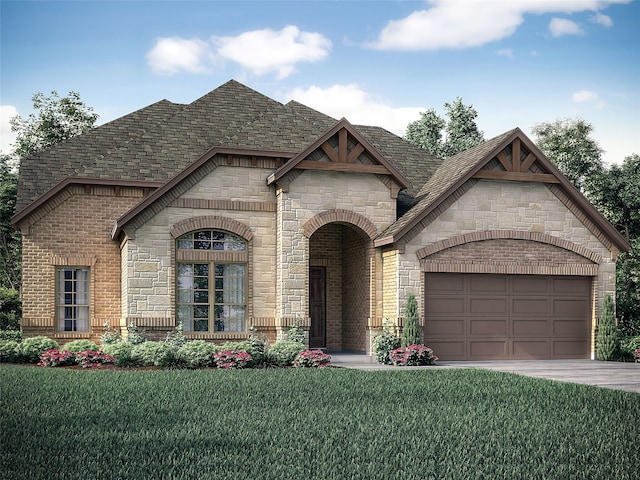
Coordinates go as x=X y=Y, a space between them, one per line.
x=72 y=299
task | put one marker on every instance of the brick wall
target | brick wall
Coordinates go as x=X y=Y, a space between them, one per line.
x=74 y=230
x=355 y=287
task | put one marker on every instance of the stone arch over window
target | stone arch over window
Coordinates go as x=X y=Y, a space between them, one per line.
x=340 y=216
x=211 y=222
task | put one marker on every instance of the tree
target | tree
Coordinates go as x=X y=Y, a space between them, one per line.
x=461 y=131
x=411 y=329
x=568 y=144
x=608 y=340
x=10 y=244
x=57 y=119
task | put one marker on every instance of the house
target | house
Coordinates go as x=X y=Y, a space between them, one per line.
x=237 y=210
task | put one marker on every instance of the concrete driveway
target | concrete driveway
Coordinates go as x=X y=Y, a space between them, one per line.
x=615 y=375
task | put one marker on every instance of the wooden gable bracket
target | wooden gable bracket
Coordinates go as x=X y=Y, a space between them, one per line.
x=343 y=160
x=516 y=169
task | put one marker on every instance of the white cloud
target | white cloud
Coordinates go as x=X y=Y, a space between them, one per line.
x=587 y=96
x=7 y=137
x=463 y=24
x=505 y=52
x=172 y=55
x=357 y=106
x=265 y=51
x=561 y=26
x=603 y=20
x=259 y=51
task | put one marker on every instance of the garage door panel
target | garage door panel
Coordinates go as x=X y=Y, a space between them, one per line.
x=572 y=307
x=570 y=348
x=450 y=283
x=528 y=349
x=529 y=306
x=571 y=285
x=495 y=349
x=446 y=327
x=568 y=328
x=488 y=284
x=445 y=306
x=530 y=327
x=483 y=317
x=448 y=349
x=528 y=285
x=488 y=328
x=488 y=306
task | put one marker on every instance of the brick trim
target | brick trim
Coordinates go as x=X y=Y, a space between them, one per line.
x=240 y=205
x=340 y=216
x=509 y=235
x=588 y=270
x=213 y=222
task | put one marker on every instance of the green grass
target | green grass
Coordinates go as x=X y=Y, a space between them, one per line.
x=298 y=424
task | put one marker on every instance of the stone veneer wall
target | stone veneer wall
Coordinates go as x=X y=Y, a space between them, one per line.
x=74 y=229
x=312 y=194
x=232 y=192
x=501 y=205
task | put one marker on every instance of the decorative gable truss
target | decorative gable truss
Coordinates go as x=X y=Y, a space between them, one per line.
x=341 y=149
x=516 y=162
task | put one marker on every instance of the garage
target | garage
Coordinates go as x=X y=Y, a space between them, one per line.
x=504 y=317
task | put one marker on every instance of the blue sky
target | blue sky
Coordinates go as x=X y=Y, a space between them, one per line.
x=518 y=62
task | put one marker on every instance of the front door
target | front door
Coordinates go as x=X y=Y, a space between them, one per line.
x=317 y=307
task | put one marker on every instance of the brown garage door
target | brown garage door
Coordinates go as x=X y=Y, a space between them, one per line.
x=489 y=317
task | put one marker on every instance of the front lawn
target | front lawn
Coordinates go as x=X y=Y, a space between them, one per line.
x=308 y=423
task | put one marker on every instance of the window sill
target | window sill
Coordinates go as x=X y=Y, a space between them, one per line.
x=216 y=336
x=72 y=335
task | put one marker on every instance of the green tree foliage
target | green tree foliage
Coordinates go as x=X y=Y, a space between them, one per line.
x=460 y=131
x=411 y=328
x=10 y=245
x=608 y=338
x=569 y=145
x=56 y=119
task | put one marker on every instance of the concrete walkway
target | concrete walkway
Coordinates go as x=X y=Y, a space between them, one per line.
x=615 y=375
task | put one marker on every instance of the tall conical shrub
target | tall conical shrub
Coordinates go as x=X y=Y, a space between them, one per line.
x=608 y=339
x=411 y=329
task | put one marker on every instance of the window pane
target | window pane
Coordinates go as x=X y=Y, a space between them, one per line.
x=201 y=269
x=201 y=325
x=72 y=298
x=185 y=244
x=201 y=297
x=185 y=296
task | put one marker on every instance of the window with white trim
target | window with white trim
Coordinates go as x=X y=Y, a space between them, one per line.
x=72 y=299
x=211 y=292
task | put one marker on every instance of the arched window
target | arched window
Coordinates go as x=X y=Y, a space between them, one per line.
x=211 y=281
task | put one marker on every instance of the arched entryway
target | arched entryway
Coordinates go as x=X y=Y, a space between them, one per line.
x=339 y=289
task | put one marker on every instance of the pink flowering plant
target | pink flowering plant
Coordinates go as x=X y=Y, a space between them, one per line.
x=312 y=359
x=636 y=355
x=57 y=358
x=413 y=355
x=93 y=359
x=231 y=359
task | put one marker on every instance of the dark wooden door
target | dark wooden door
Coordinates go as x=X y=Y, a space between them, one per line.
x=317 y=307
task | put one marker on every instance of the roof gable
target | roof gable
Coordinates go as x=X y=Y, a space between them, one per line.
x=340 y=149
x=511 y=156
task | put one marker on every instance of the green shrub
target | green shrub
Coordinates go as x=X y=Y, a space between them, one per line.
x=196 y=354
x=176 y=338
x=157 y=354
x=259 y=345
x=10 y=309
x=628 y=347
x=411 y=334
x=296 y=334
x=135 y=335
x=15 y=335
x=8 y=351
x=30 y=349
x=608 y=335
x=81 y=346
x=283 y=353
x=385 y=342
x=110 y=335
x=122 y=351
